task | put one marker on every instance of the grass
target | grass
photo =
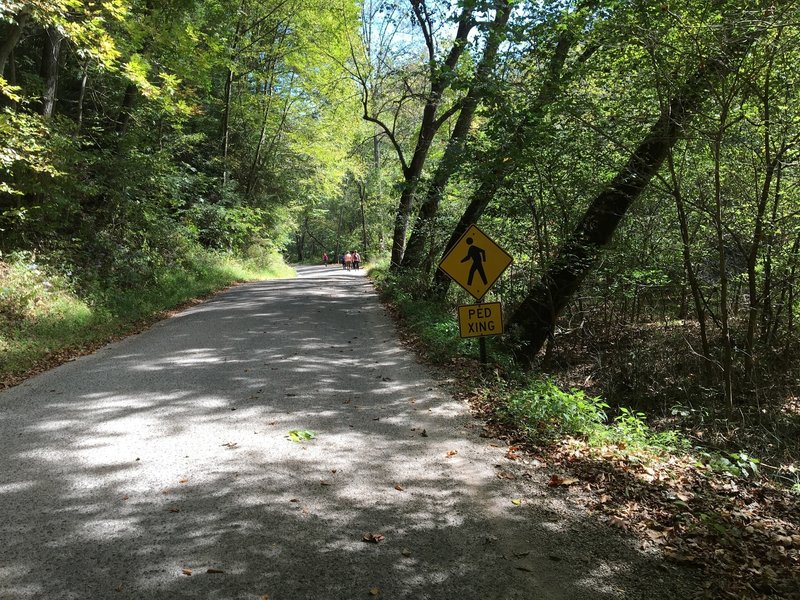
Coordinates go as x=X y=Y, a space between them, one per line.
x=43 y=319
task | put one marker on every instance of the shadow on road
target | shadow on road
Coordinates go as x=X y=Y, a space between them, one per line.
x=167 y=454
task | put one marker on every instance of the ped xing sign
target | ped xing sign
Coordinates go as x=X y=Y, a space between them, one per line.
x=478 y=320
x=475 y=262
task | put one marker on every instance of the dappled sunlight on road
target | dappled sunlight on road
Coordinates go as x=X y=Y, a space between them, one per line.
x=169 y=451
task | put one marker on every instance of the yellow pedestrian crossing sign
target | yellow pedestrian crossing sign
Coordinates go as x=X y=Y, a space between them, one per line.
x=475 y=262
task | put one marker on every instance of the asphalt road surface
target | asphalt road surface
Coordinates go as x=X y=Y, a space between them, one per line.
x=132 y=472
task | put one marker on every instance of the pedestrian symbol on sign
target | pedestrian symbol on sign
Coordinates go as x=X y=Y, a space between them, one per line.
x=477 y=255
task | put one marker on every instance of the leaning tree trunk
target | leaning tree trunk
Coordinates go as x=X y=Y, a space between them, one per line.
x=429 y=127
x=496 y=175
x=415 y=250
x=10 y=34
x=535 y=318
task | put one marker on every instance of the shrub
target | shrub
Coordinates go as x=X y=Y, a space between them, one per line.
x=544 y=411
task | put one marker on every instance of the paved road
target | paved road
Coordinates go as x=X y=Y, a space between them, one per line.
x=167 y=454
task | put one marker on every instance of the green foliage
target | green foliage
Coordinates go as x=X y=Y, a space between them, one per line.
x=434 y=323
x=738 y=464
x=42 y=312
x=543 y=411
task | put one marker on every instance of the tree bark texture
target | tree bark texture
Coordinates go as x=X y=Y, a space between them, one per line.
x=49 y=69
x=535 y=318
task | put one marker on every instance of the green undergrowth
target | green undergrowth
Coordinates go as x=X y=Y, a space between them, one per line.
x=542 y=413
x=536 y=408
x=44 y=313
x=432 y=322
x=545 y=413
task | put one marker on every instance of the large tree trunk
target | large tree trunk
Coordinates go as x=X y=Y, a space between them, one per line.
x=535 y=318
x=415 y=251
x=49 y=69
x=9 y=36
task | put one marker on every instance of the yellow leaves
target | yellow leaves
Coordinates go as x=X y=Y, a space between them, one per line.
x=136 y=70
x=10 y=91
x=516 y=501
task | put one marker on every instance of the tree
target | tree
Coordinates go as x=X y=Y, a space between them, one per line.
x=535 y=318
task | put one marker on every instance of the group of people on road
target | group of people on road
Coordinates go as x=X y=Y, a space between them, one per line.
x=348 y=260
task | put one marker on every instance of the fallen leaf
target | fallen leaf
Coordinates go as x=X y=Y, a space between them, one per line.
x=211 y=570
x=324 y=483
x=264 y=597
x=617 y=522
x=183 y=481
x=516 y=501
x=399 y=488
x=452 y=453
x=373 y=538
x=555 y=480
x=174 y=510
x=230 y=445
x=506 y=475
x=301 y=435
x=374 y=591
x=406 y=552
x=294 y=500
x=186 y=571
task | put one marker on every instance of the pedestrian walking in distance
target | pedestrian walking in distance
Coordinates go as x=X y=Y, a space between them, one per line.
x=325 y=259
x=348 y=261
x=356 y=260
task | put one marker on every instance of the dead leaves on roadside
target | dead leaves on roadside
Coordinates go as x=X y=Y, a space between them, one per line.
x=372 y=537
x=558 y=480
